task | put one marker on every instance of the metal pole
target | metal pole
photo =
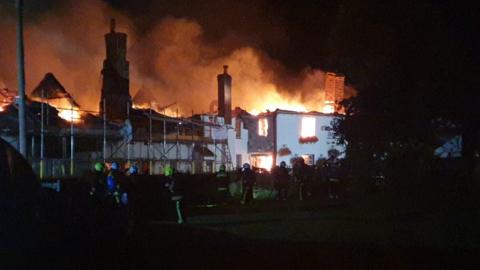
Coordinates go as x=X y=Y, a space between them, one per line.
x=164 y=132
x=192 y=148
x=42 y=137
x=150 y=163
x=214 y=169
x=178 y=134
x=32 y=150
x=128 y=143
x=72 y=169
x=22 y=132
x=104 y=152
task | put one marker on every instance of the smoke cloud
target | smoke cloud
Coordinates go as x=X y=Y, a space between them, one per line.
x=173 y=60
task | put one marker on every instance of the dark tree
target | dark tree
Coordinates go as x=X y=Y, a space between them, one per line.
x=413 y=63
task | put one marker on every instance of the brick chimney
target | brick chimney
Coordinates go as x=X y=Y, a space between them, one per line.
x=225 y=95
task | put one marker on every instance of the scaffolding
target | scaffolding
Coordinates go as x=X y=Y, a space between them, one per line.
x=157 y=140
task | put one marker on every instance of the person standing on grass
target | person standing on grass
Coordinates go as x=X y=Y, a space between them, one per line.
x=301 y=175
x=332 y=166
x=221 y=185
x=281 y=178
x=248 y=181
x=174 y=190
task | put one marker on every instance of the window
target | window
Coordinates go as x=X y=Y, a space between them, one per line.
x=262 y=161
x=309 y=159
x=308 y=127
x=263 y=127
x=238 y=128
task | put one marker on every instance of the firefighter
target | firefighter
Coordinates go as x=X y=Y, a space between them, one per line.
x=113 y=186
x=98 y=188
x=221 y=185
x=301 y=177
x=332 y=166
x=281 y=179
x=175 y=194
x=248 y=181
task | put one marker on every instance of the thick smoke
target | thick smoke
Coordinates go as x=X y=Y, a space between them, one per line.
x=173 y=61
x=67 y=41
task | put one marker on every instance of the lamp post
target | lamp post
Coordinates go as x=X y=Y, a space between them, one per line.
x=22 y=132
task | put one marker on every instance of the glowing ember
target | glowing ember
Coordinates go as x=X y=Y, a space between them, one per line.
x=308 y=127
x=6 y=98
x=72 y=115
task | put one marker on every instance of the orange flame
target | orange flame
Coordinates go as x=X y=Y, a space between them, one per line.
x=166 y=111
x=329 y=107
x=6 y=98
x=70 y=115
x=264 y=162
x=65 y=109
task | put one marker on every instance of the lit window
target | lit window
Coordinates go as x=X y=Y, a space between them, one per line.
x=308 y=127
x=263 y=161
x=262 y=127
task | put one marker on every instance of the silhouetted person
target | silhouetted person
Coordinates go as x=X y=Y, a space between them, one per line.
x=332 y=166
x=281 y=178
x=221 y=185
x=301 y=174
x=175 y=194
x=248 y=181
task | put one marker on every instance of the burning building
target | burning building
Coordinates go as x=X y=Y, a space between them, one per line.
x=51 y=91
x=6 y=98
x=115 y=84
x=283 y=135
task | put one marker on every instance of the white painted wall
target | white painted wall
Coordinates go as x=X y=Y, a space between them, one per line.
x=288 y=134
x=238 y=146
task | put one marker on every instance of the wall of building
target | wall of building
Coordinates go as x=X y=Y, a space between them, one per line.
x=238 y=146
x=289 y=132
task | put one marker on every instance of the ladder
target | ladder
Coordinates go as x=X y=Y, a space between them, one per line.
x=226 y=157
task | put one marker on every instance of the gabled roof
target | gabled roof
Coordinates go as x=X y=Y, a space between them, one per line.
x=50 y=88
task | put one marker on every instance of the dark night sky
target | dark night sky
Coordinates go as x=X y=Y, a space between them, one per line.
x=348 y=36
x=339 y=35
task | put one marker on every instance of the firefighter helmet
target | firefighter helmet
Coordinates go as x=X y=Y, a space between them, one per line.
x=114 y=166
x=168 y=171
x=133 y=169
x=99 y=167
